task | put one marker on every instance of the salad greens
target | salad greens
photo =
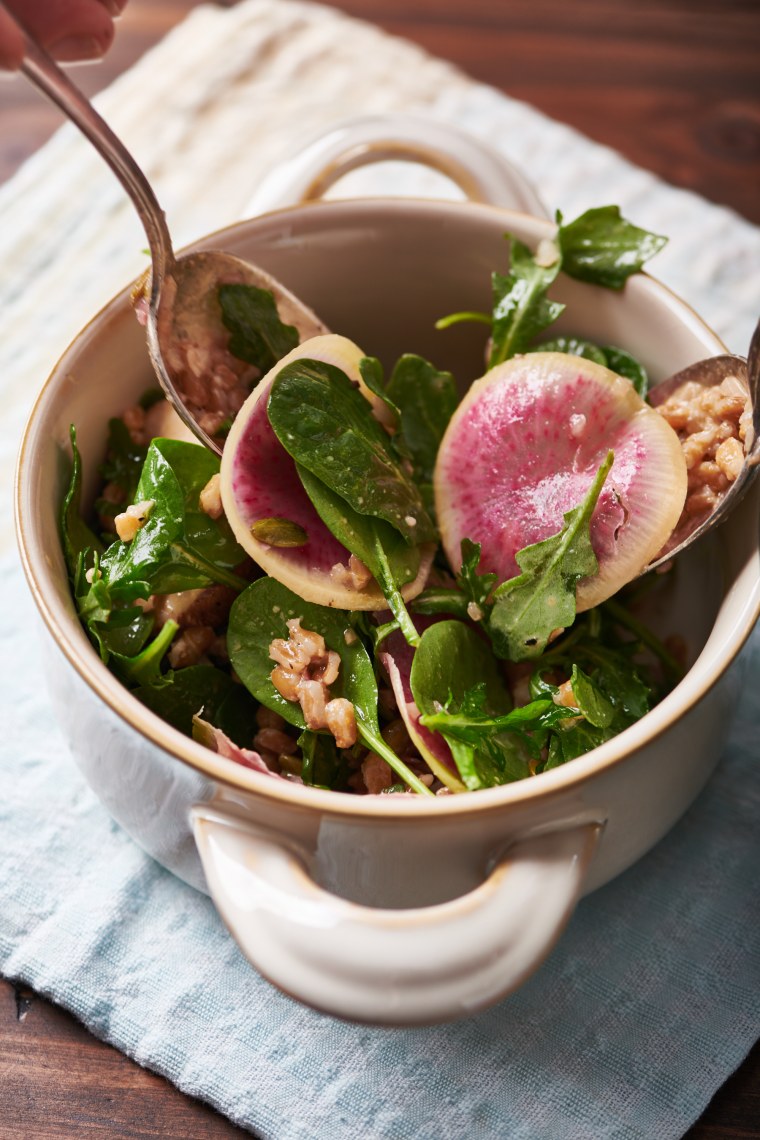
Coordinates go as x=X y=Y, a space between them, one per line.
x=599 y=247
x=260 y=615
x=505 y=677
x=257 y=335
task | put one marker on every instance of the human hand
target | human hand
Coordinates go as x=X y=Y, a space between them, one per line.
x=69 y=29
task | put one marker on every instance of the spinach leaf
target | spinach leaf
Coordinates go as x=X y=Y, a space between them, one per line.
x=573 y=345
x=260 y=614
x=77 y=538
x=622 y=362
x=121 y=467
x=521 y=308
x=144 y=667
x=179 y=547
x=257 y=335
x=323 y=766
x=373 y=375
x=426 y=399
x=121 y=632
x=541 y=599
x=207 y=691
x=381 y=548
x=327 y=426
x=451 y=663
x=616 y=359
x=603 y=248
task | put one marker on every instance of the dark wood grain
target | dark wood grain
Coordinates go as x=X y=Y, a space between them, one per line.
x=672 y=84
x=59 y=1081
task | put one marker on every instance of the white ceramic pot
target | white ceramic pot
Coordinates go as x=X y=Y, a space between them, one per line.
x=393 y=910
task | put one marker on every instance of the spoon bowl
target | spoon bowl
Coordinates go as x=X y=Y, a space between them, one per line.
x=711 y=373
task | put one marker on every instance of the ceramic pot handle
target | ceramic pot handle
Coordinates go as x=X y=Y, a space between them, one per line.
x=482 y=173
x=393 y=967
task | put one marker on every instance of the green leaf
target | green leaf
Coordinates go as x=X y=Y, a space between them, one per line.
x=573 y=345
x=603 y=248
x=325 y=423
x=541 y=599
x=257 y=335
x=322 y=764
x=521 y=308
x=207 y=691
x=373 y=375
x=590 y=700
x=179 y=547
x=260 y=614
x=122 y=465
x=426 y=400
x=77 y=537
x=451 y=663
x=378 y=545
x=624 y=364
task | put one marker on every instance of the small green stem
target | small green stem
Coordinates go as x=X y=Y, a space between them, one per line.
x=137 y=667
x=378 y=745
x=393 y=596
x=214 y=572
x=459 y=318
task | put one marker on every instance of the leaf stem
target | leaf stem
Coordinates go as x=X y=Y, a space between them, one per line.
x=393 y=596
x=378 y=745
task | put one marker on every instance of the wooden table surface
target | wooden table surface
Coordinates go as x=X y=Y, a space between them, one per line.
x=672 y=84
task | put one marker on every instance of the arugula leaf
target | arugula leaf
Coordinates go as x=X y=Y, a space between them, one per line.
x=260 y=614
x=426 y=400
x=521 y=308
x=530 y=606
x=327 y=426
x=600 y=247
x=77 y=538
x=257 y=335
x=603 y=248
x=476 y=587
x=179 y=547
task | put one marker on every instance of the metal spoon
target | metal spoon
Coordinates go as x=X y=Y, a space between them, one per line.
x=710 y=373
x=183 y=316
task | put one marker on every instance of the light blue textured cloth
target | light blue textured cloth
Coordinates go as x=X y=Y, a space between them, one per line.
x=648 y=1003
x=652 y=997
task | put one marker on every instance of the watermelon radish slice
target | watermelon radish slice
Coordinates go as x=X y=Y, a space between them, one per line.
x=523 y=448
x=396 y=657
x=259 y=481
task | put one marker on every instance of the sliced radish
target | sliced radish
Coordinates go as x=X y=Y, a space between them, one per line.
x=259 y=481
x=523 y=448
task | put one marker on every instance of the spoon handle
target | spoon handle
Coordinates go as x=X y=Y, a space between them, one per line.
x=45 y=74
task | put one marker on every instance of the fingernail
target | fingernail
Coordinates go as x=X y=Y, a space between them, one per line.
x=114 y=7
x=71 y=48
